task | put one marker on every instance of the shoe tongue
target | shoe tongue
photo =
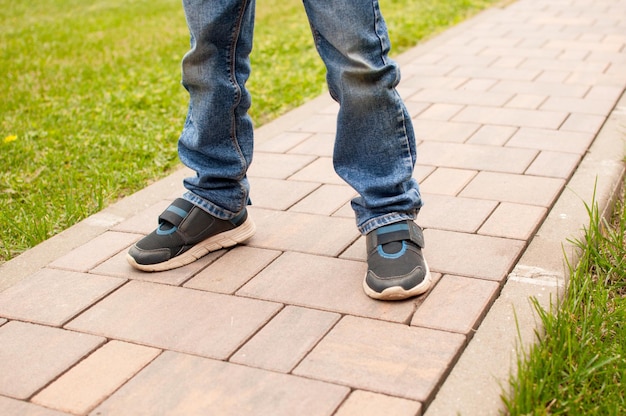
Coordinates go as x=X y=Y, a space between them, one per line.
x=392 y=247
x=165 y=225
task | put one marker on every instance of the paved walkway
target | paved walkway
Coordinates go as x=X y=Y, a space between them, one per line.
x=516 y=116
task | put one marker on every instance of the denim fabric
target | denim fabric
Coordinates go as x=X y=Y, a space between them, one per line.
x=375 y=144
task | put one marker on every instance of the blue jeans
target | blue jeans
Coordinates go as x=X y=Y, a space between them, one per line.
x=375 y=143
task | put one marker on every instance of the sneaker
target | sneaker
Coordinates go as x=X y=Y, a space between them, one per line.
x=186 y=233
x=396 y=266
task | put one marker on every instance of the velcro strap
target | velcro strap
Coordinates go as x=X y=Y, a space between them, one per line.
x=399 y=232
x=176 y=212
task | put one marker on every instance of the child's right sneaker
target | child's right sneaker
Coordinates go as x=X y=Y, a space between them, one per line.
x=396 y=266
x=185 y=233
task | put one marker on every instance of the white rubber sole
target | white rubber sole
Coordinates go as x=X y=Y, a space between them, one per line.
x=214 y=243
x=398 y=292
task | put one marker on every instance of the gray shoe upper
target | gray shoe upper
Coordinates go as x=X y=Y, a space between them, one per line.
x=394 y=257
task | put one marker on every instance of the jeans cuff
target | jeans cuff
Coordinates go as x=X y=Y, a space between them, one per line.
x=209 y=207
x=386 y=219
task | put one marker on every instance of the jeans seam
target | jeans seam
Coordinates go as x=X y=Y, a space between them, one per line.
x=238 y=93
x=405 y=137
x=317 y=40
x=377 y=17
x=406 y=145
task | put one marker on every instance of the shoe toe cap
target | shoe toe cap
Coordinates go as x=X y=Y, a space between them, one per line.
x=406 y=281
x=154 y=256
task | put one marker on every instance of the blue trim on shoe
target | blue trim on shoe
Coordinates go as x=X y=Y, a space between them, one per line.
x=397 y=255
x=392 y=228
x=178 y=211
x=172 y=230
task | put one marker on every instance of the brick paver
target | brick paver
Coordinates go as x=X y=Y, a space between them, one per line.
x=442 y=212
x=456 y=304
x=383 y=357
x=506 y=187
x=118 y=266
x=180 y=384
x=554 y=140
x=446 y=181
x=323 y=283
x=505 y=107
x=279 y=194
x=86 y=257
x=95 y=378
x=233 y=269
x=179 y=319
x=474 y=157
x=325 y=200
x=282 y=343
x=365 y=403
x=554 y=164
x=52 y=297
x=16 y=407
x=471 y=254
x=279 y=230
x=33 y=355
x=515 y=221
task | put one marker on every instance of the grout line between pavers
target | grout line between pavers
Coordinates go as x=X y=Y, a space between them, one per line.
x=254 y=333
x=83 y=358
x=328 y=331
x=288 y=208
x=161 y=351
x=93 y=304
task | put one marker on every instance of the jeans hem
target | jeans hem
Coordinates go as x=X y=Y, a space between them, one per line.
x=386 y=219
x=209 y=207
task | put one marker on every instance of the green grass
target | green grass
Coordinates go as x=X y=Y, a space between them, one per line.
x=92 y=106
x=578 y=366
